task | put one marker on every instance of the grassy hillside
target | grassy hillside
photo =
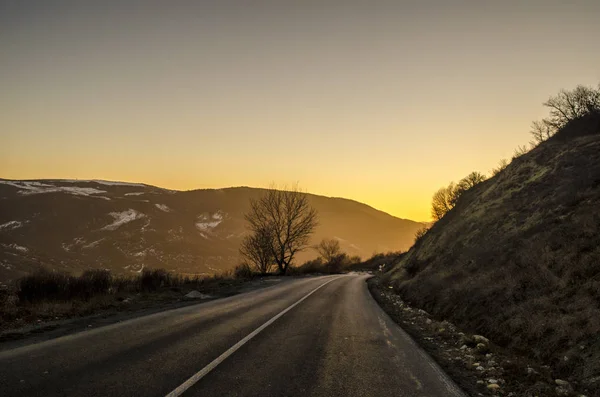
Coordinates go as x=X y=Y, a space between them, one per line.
x=518 y=258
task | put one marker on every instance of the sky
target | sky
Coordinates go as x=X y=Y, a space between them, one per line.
x=378 y=101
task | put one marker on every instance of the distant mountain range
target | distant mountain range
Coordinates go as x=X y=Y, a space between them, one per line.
x=73 y=225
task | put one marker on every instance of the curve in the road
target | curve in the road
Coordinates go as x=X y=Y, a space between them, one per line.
x=318 y=336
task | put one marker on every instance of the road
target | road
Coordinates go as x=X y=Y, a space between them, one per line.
x=318 y=336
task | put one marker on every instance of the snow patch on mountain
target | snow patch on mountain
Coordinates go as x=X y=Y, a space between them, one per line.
x=134 y=194
x=16 y=247
x=163 y=207
x=102 y=182
x=29 y=187
x=207 y=222
x=92 y=244
x=121 y=218
x=10 y=225
x=146 y=227
x=25 y=184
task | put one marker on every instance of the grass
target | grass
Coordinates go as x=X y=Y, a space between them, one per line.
x=46 y=295
x=517 y=260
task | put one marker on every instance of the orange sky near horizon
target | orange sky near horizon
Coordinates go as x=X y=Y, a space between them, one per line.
x=382 y=102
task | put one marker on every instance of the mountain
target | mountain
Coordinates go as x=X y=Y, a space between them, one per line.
x=518 y=258
x=73 y=225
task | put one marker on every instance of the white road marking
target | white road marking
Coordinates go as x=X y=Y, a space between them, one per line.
x=204 y=371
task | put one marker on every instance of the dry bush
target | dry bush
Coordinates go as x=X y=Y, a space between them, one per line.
x=151 y=280
x=312 y=266
x=45 y=285
x=502 y=164
x=420 y=234
x=243 y=271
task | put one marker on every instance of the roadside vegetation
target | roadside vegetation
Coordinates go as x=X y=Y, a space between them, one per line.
x=47 y=295
x=515 y=257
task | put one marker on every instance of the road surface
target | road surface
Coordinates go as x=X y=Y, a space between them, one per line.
x=318 y=336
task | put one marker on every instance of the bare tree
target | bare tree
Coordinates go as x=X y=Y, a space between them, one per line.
x=290 y=220
x=256 y=248
x=446 y=198
x=571 y=105
x=541 y=130
x=502 y=164
x=519 y=151
x=328 y=249
x=442 y=201
x=565 y=107
x=474 y=178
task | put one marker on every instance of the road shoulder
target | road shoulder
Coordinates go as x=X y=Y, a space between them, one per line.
x=478 y=366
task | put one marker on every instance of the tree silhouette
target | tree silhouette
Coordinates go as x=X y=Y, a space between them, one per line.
x=446 y=198
x=442 y=201
x=566 y=106
x=285 y=220
x=328 y=249
x=256 y=248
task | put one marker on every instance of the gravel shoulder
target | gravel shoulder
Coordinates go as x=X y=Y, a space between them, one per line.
x=478 y=366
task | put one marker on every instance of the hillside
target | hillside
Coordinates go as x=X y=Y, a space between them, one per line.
x=74 y=225
x=518 y=258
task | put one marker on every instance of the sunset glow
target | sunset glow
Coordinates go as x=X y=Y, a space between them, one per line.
x=380 y=102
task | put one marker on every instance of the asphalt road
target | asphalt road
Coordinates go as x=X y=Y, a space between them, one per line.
x=322 y=336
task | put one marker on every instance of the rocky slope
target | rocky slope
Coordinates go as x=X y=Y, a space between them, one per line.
x=74 y=225
x=517 y=259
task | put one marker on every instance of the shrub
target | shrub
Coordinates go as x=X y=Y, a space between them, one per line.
x=243 y=271
x=45 y=285
x=446 y=198
x=502 y=164
x=337 y=263
x=420 y=234
x=97 y=281
x=354 y=260
x=151 y=280
x=312 y=266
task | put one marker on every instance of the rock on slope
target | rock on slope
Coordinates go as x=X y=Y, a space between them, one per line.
x=74 y=225
x=518 y=258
